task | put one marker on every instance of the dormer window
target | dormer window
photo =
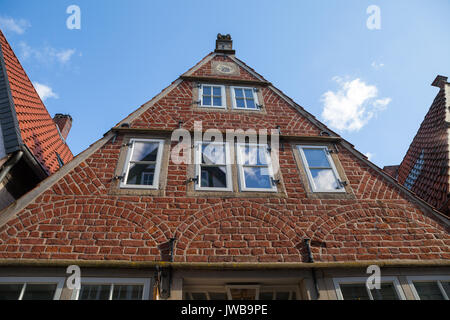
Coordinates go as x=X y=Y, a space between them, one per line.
x=244 y=98
x=212 y=96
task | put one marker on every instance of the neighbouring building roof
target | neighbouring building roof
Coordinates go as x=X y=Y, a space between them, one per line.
x=24 y=118
x=425 y=167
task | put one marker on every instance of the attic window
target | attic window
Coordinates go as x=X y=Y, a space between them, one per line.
x=415 y=172
x=320 y=169
x=143 y=164
x=212 y=96
x=244 y=98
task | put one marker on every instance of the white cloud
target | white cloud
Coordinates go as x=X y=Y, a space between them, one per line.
x=369 y=155
x=44 y=91
x=47 y=54
x=14 y=25
x=352 y=105
x=64 y=55
x=377 y=65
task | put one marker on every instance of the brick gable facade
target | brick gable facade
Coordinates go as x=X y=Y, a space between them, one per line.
x=80 y=214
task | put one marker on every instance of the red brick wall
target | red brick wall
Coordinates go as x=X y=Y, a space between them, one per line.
x=80 y=218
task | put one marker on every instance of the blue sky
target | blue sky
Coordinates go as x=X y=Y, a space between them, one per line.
x=370 y=86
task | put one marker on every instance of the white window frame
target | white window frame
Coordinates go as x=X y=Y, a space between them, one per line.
x=240 y=165
x=113 y=281
x=437 y=279
x=59 y=281
x=255 y=99
x=308 y=171
x=198 y=159
x=362 y=280
x=126 y=166
x=222 y=92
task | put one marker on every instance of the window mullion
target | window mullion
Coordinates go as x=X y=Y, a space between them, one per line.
x=444 y=294
x=22 y=292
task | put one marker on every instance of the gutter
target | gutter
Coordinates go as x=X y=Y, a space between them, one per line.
x=221 y=265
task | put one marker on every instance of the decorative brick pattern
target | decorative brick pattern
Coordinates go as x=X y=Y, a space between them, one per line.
x=81 y=217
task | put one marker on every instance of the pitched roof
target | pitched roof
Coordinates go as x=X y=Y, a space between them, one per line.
x=81 y=191
x=425 y=167
x=28 y=121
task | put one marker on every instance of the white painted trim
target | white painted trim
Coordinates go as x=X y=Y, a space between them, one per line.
x=255 y=98
x=222 y=92
x=437 y=279
x=126 y=167
x=240 y=165
x=111 y=281
x=308 y=171
x=362 y=280
x=197 y=164
x=59 y=281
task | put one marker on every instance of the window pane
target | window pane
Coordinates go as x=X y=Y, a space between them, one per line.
x=127 y=292
x=145 y=151
x=428 y=290
x=324 y=179
x=141 y=174
x=206 y=90
x=206 y=101
x=254 y=155
x=354 y=291
x=94 y=292
x=198 y=296
x=217 y=296
x=10 y=291
x=39 y=292
x=217 y=101
x=213 y=177
x=251 y=104
x=238 y=93
x=240 y=103
x=248 y=93
x=316 y=158
x=266 y=296
x=217 y=91
x=257 y=178
x=386 y=292
x=213 y=153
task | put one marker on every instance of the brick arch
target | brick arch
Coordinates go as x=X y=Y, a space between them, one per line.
x=37 y=214
x=362 y=232
x=203 y=219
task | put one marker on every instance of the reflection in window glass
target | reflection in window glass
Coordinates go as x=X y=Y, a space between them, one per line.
x=213 y=168
x=321 y=173
x=141 y=169
x=244 y=98
x=255 y=168
x=211 y=96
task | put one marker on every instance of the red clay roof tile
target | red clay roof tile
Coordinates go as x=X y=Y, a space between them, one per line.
x=38 y=130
